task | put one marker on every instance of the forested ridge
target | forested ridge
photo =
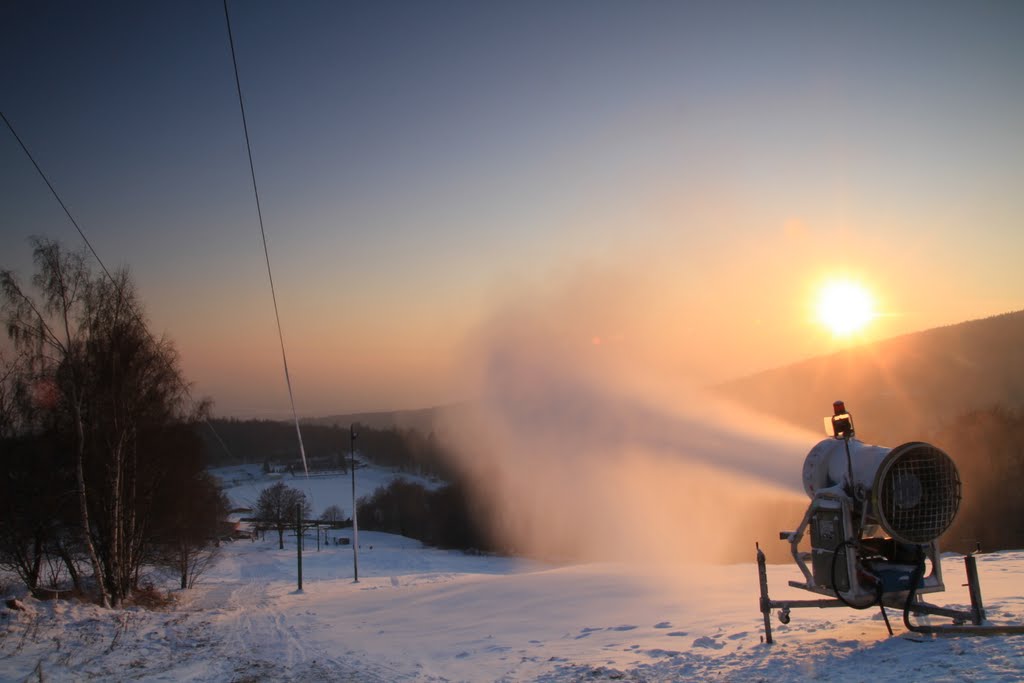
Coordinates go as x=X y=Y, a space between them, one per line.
x=233 y=441
x=960 y=387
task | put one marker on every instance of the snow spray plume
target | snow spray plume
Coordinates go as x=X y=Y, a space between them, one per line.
x=582 y=453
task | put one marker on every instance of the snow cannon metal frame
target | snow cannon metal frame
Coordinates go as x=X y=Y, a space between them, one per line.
x=874 y=520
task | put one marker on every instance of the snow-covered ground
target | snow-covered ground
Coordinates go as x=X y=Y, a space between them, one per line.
x=243 y=484
x=421 y=614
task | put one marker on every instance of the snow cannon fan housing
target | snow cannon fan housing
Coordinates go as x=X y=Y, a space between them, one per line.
x=912 y=491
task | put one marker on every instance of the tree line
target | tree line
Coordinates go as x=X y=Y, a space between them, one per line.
x=988 y=448
x=445 y=518
x=102 y=468
x=235 y=441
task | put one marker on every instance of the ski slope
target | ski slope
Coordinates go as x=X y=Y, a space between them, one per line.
x=422 y=614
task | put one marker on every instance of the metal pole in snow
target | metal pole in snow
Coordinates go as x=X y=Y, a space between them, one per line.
x=298 y=539
x=355 y=522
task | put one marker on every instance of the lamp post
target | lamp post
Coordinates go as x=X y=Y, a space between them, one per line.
x=355 y=523
x=298 y=539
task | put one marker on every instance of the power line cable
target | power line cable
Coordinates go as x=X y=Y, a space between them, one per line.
x=57 y=197
x=113 y=281
x=263 y=234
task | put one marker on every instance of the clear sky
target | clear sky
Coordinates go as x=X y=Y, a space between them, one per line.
x=670 y=181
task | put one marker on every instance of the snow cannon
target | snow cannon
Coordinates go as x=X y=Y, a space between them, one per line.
x=872 y=531
x=911 y=491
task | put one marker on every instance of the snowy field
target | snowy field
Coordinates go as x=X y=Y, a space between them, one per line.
x=420 y=614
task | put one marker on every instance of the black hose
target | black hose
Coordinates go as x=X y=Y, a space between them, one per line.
x=915 y=578
x=832 y=575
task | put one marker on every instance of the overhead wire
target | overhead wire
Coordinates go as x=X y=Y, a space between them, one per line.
x=263 y=234
x=106 y=271
x=57 y=196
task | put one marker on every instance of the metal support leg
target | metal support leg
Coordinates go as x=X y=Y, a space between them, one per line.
x=766 y=603
x=974 y=588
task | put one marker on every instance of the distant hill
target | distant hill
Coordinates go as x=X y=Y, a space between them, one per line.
x=402 y=419
x=899 y=389
x=959 y=387
x=422 y=420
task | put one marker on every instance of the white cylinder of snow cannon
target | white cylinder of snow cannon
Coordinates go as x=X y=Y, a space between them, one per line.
x=914 y=489
x=825 y=465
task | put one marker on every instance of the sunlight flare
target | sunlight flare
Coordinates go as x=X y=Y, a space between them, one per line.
x=845 y=307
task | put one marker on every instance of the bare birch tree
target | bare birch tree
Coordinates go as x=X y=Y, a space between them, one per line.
x=117 y=391
x=49 y=331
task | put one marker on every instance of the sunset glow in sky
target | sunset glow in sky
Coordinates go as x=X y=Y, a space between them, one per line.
x=676 y=180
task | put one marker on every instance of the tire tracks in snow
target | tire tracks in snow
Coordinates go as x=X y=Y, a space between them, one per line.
x=229 y=631
x=259 y=643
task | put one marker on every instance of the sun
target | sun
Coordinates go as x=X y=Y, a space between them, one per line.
x=845 y=307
